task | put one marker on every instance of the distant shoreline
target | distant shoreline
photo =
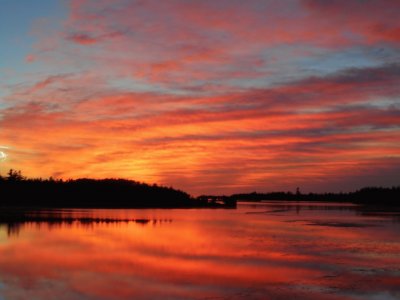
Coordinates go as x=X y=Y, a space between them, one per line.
x=367 y=195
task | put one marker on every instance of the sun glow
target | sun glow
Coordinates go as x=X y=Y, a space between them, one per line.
x=2 y=155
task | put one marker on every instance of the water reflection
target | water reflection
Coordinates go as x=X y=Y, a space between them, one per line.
x=15 y=220
x=14 y=228
x=260 y=251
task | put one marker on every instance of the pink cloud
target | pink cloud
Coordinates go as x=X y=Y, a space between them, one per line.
x=83 y=39
x=374 y=21
x=173 y=41
x=30 y=58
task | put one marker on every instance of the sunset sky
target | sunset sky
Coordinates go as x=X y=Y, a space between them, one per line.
x=218 y=96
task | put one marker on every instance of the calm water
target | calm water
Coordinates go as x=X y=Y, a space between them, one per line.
x=259 y=251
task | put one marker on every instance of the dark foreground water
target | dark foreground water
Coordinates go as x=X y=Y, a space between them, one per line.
x=259 y=251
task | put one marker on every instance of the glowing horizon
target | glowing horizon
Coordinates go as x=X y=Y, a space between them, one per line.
x=209 y=97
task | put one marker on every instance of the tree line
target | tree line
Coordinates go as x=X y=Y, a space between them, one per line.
x=17 y=190
x=366 y=195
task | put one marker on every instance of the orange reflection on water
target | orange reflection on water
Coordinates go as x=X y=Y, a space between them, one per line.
x=254 y=252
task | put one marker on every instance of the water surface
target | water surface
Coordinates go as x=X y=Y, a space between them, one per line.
x=259 y=251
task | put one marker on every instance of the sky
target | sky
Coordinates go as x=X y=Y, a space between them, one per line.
x=211 y=97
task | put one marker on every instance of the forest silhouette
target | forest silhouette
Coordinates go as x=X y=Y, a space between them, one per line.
x=19 y=191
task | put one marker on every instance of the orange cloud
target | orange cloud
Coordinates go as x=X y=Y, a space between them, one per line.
x=212 y=96
x=313 y=128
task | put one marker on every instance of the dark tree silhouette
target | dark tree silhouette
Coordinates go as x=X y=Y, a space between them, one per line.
x=16 y=190
x=14 y=175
